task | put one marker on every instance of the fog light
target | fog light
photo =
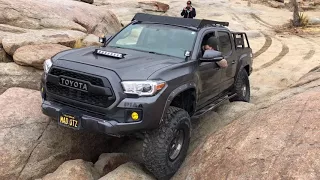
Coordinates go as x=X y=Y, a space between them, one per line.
x=134 y=116
x=43 y=93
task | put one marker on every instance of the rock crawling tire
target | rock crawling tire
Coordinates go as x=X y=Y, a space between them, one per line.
x=242 y=87
x=156 y=151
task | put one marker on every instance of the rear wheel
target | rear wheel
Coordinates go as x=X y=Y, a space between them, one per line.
x=242 y=87
x=165 y=149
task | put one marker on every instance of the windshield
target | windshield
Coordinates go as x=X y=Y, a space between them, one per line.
x=155 y=38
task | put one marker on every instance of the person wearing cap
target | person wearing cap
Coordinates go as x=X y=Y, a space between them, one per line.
x=189 y=11
x=210 y=51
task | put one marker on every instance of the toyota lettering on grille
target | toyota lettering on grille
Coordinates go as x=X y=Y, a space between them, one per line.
x=74 y=84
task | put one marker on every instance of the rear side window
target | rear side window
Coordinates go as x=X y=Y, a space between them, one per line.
x=240 y=40
x=225 y=43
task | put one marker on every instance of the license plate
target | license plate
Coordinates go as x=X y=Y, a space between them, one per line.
x=69 y=121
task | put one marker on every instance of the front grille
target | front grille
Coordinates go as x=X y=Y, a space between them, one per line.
x=90 y=98
x=85 y=110
x=93 y=80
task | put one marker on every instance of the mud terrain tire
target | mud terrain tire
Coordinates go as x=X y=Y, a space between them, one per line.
x=242 y=87
x=163 y=150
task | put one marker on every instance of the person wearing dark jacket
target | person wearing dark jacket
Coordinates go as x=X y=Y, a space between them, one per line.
x=189 y=11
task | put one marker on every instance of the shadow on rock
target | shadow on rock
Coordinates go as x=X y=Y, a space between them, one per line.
x=32 y=145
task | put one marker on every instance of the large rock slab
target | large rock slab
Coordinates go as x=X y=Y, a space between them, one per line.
x=13 y=75
x=32 y=145
x=58 y=14
x=276 y=4
x=4 y=57
x=314 y=20
x=91 y=40
x=279 y=141
x=153 y=6
x=215 y=120
x=3 y=35
x=109 y=161
x=35 y=55
x=49 y=36
x=56 y=23
x=128 y=171
x=308 y=82
x=12 y=29
x=6 y=30
x=74 y=170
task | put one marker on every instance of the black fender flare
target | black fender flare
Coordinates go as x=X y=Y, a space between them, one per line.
x=242 y=63
x=174 y=93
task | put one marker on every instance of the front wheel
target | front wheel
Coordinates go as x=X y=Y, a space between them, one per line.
x=242 y=87
x=165 y=149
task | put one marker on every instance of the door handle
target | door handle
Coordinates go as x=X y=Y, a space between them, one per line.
x=233 y=62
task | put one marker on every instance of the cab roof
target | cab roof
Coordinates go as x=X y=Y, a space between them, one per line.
x=177 y=21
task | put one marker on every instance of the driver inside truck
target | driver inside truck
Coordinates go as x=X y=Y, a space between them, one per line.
x=210 y=50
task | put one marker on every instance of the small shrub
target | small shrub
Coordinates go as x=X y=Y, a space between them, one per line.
x=78 y=44
x=303 y=19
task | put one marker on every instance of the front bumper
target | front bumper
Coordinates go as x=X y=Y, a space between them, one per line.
x=89 y=122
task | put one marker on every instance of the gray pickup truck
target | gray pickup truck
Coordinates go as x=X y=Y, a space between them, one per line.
x=148 y=79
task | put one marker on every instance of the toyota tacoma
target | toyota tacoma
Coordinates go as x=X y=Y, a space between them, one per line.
x=150 y=79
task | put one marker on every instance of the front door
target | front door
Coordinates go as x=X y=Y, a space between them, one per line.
x=209 y=75
x=210 y=78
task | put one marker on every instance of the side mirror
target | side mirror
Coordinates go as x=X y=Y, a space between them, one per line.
x=104 y=39
x=211 y=56
x=213 y=59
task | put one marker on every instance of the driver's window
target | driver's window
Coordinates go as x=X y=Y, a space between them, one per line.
x=204 y=42
x=130 y=37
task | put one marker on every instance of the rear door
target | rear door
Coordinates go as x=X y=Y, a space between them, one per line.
x=226 y=46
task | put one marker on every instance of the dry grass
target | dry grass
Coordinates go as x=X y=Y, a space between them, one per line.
x=78 y=44
x=304 y=29
x=303 y=19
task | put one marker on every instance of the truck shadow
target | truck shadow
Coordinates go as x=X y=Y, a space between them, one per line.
x=202 y=127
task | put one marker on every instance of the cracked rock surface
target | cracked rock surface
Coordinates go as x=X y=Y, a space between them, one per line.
x=32 y=145
x=59 y=14
x=275 y=140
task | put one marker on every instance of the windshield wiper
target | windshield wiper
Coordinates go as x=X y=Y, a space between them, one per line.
x=151 y=52
x=116 y=47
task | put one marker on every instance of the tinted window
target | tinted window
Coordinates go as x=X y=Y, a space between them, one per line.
x=225 y=43
x=168 y=40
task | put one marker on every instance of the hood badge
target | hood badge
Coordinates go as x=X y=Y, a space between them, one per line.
x=110 y=54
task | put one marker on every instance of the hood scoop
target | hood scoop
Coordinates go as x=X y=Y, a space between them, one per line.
x=109 y=54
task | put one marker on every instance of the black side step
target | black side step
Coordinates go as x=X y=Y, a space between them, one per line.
x=211 y=106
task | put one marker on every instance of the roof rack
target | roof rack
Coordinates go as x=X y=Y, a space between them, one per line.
x=177 y=21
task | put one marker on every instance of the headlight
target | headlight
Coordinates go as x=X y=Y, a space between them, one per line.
x=47 y=65
x=142 y=88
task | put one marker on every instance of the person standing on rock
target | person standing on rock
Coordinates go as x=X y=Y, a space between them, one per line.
x=189 y=11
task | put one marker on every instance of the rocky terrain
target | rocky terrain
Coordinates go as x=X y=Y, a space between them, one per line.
x=32 y=31
x=278 y=140
x=273 y=137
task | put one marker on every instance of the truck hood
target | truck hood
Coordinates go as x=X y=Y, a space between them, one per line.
x=136 y=65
